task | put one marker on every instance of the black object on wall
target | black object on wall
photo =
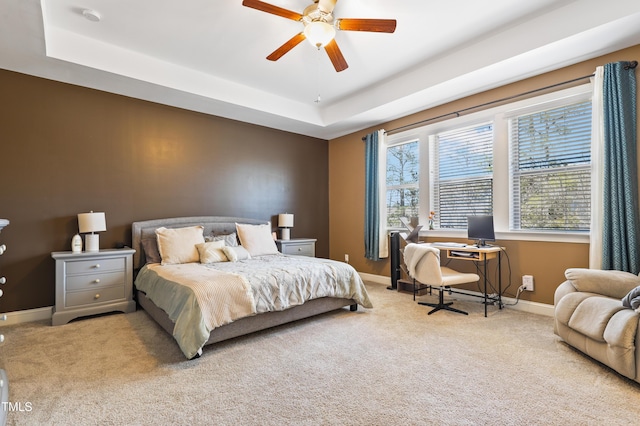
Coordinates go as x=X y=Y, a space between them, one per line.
x=395 y=260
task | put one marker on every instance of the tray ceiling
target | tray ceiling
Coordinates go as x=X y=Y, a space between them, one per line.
x=209 y=56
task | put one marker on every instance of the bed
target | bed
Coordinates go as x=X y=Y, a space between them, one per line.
x=207 y=301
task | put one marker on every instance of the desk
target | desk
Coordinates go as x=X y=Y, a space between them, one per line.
x=480 y=255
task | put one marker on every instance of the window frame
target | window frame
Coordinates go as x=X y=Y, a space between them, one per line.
x=500 y=116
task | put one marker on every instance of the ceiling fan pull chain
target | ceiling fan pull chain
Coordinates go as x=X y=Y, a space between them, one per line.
x=318 y=99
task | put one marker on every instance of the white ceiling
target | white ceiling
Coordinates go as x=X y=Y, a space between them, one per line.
x=209 y=55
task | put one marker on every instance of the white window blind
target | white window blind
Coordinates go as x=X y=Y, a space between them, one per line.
x=463 y=180
x=550 y=169
x=403 y=171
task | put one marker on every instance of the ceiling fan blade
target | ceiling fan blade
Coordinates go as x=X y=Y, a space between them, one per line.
x=327 y=5
x=275 y=10
x=338 y=61
x=371 y=25
x=280 y=51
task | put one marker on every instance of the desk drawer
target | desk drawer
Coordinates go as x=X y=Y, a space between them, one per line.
x=94 y=265
x=89 y=297
x=471 y=255
x=85 y=282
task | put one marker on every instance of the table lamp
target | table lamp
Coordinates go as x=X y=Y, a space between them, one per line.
x=91 y=222
x=285 y=221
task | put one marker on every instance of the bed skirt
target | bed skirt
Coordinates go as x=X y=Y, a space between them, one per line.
x=253 y=323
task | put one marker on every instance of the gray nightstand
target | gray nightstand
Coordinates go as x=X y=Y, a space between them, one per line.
x=299 y=246
x=90 y=283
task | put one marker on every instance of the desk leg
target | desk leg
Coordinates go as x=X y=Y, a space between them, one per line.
x=500 y=279
x=485 y=286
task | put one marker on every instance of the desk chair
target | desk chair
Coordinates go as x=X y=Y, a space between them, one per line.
x=423 y=265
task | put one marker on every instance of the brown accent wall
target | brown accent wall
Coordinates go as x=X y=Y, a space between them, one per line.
x=65 y=149
x=545 y=261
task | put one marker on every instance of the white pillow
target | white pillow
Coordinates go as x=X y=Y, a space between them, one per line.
x=257 y=239
x=178 y=245
x=236 y=253
x=211 y=252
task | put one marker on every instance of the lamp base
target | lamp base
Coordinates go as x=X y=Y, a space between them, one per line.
x=285 y=234
x=92 y=242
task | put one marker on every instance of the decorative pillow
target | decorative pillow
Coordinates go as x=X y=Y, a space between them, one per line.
x=211 y=252
x=236 y=253
x=230 y=240
x=632 y=299
x=257 y=239
x=178 y=245
x=151 y=253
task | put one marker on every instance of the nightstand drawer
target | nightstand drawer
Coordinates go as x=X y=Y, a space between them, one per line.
x=94 y=265
x=89 y=297
x=85 y=282
x=302 y=249
x=298 y=246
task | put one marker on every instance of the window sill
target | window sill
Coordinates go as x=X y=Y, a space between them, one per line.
x=552 y=237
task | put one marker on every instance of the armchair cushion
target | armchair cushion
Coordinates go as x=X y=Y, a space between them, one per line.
x=592 y=316
x=614 y=284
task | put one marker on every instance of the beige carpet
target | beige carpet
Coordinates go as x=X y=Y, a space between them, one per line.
x=389 y=365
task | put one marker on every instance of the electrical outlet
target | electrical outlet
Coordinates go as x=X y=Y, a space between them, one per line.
x=527 y=282
x=346 y=258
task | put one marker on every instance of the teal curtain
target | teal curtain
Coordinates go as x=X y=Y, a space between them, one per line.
x=371 y=198
x=621 y=226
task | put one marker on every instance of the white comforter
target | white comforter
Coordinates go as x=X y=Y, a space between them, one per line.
x=199 y=298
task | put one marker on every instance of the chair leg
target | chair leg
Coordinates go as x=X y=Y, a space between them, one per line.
x=414 y=289
x=441 y=305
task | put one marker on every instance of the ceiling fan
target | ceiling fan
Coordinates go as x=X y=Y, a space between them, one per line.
x=320 y=28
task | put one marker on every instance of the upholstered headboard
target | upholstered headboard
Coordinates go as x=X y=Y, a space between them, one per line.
x=212 y=225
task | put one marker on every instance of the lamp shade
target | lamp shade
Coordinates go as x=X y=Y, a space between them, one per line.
x=92 y=222
x=285 y=220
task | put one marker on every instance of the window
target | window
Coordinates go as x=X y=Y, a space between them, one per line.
x=463 y=175
x=402 y=182
x=551 y=169
x=527 y=163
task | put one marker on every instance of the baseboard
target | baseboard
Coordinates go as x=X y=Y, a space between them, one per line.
x=521 y=305
x=29 y=315
x=510 y=303
x=378 y=279
x=529 y=306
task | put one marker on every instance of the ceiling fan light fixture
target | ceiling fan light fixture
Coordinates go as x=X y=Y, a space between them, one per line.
x=319 y=33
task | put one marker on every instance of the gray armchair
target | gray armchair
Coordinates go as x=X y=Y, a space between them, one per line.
x=590 y=316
